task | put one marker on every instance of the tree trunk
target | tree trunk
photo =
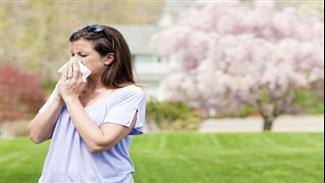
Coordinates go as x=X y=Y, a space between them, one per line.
x=267 y=125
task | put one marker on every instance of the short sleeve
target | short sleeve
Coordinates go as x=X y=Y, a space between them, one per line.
x=131 y=102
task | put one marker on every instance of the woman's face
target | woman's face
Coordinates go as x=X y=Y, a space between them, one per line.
x=83 y=50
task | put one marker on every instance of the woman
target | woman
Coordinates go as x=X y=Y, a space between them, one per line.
x=91 y=123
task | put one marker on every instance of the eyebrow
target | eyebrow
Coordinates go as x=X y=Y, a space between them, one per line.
x=79 y=52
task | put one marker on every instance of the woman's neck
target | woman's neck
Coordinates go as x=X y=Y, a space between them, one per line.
x=94 y=84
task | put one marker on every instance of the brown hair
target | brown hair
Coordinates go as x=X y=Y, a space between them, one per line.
x=110 y=40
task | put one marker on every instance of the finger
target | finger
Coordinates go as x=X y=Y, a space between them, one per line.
x=76 y=71
x=70 y=71
x=65 y=73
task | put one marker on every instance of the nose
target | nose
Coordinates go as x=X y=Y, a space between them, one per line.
x=76 y=57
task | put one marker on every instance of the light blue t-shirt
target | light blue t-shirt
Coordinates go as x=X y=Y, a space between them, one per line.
x=68 y=159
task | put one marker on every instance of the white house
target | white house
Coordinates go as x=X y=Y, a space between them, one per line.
x=150 y=68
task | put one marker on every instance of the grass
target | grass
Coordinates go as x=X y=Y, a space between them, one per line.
x=196 y=158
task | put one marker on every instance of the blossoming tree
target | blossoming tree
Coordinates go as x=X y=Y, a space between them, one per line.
x=227 y=55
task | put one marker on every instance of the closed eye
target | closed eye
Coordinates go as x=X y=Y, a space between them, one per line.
x=82 y=55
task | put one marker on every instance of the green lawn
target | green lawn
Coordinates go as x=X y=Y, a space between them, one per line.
x=196 y=158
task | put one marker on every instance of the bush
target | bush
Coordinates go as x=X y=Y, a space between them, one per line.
x=48 y=87
x=306 y=102
x=309 y=102
x=172 y=116
x=21 y=93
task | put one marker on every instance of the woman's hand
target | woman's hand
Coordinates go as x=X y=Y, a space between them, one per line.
x=70 y=84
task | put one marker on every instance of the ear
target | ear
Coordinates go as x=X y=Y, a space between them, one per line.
x=109 y=58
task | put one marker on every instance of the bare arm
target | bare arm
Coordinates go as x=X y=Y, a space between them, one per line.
x=42 y=126
x=96 y=139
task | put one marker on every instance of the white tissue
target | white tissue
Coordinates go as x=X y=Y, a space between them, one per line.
x=85 y=73
x=83 y=69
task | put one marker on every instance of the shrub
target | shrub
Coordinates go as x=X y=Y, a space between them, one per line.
x=172 y=116
x=309 y=102
x=21 y=93
x=305 y=102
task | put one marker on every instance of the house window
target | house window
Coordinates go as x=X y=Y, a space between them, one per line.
x=145 y=59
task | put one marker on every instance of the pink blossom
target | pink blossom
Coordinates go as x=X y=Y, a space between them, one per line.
x=227 y=54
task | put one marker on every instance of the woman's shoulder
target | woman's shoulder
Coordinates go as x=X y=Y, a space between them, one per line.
x=132 y=90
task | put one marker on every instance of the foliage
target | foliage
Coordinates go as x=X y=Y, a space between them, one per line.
x=21 y=93
x=42 y=44
x=306 y=102
x=195 y=158
x=174 y=116
x=235 y=55
x=309 y=102
x=49 y=87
